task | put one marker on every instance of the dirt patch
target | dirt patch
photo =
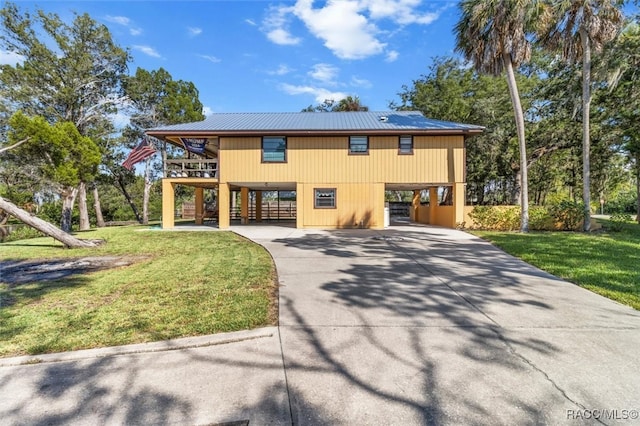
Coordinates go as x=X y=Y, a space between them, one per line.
x=16 y=272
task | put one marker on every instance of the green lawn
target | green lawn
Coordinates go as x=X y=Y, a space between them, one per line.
x=183 y=284
x=607 y=263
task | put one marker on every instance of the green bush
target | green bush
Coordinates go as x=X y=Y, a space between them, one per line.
x=496 y=218
x=618 y=221
x=540 y=219
x=568 y=215
x=624 y=202
x=21 y=233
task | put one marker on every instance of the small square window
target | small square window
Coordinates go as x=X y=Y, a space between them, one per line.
x=358 y=145
x=325 y=198
x=274 y=149
x=405 y=145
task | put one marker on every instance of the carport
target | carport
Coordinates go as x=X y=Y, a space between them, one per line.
x=445 y=206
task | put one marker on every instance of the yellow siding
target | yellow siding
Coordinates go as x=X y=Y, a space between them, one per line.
x=436 y=159
x=357 y=205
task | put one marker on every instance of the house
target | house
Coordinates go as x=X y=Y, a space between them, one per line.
x=338 y=165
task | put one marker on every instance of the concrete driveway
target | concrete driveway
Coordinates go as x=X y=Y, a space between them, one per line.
x=422 y=325
x=411 y=325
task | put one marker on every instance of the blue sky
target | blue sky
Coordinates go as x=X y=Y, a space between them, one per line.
x=272 y=56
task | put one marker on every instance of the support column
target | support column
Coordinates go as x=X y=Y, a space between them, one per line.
x=244 y=205
x=433 y=204
x=300 y=204
x=168 y=204
x=415 y=205
x=458 y=204
x=258 y=206
x=199 y=206
x=223 y=206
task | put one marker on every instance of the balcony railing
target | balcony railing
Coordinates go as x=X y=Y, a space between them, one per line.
x=201 y=168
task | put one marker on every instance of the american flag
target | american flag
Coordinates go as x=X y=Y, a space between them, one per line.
x=143 y=150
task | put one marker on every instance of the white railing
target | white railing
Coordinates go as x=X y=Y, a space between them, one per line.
x=185 y=167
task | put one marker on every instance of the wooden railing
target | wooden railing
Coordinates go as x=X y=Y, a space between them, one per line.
x=185 y=167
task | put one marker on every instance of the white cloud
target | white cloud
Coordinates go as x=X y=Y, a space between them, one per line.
x=281 y=70
x=10 y=58
x=121 y=20
x=283 y=37
x=194 y=31
x=361 y=82
x=392 y=55
x=402 y=12
x=207 y=111
x=349 y=28
x=320 y=94
x=345 y=31
x=125 y=22
x=325 y=73
x=250 y=22
x=147 y=50
x=210 y=58
x=276 y=26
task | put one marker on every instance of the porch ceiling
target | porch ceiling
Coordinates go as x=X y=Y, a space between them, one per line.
x=209 y=183
x=264 y=186
x=411 y=186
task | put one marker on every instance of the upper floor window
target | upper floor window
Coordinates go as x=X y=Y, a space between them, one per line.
x=274 y=149
x=358 y=145
x=405 y=145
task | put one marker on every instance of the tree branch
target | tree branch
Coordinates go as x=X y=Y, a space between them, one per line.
x=15 y=145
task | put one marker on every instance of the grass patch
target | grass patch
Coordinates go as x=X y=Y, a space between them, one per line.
x=183 y=284
x=603 y=262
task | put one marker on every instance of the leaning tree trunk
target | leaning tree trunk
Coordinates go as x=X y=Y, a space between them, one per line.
x=517 y=109
x=85 y=225
x=586 y=141
x=45 y=227
x=68 y=199
x=147 y=190
x=97 y=207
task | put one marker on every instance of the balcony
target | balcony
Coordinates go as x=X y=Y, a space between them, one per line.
x=191 y=168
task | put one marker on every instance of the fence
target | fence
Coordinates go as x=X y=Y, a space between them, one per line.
x=271 y=210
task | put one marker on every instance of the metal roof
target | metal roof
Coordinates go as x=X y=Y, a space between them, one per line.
x=389 y=121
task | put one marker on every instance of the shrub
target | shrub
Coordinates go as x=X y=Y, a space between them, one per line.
x=540 y=219
x=21 y=233
x=618 y=221
x=567 y=214
x=496 y=218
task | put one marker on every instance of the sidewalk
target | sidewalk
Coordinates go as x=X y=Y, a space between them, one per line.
x=410 y=325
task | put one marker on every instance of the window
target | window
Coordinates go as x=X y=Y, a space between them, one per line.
x=325 y=198
x=274 y=149
x=405 y=145
x=358 y=145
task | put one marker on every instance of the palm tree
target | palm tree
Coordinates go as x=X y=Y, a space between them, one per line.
x=575 y=28
x=492 y=34
x=350 y=103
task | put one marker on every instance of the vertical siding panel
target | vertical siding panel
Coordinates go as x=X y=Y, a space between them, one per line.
x=326 y=158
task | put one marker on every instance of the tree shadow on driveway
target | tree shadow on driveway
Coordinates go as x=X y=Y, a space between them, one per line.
x=414 y=323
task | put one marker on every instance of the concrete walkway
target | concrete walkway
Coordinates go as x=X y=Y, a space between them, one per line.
x=411 y=325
